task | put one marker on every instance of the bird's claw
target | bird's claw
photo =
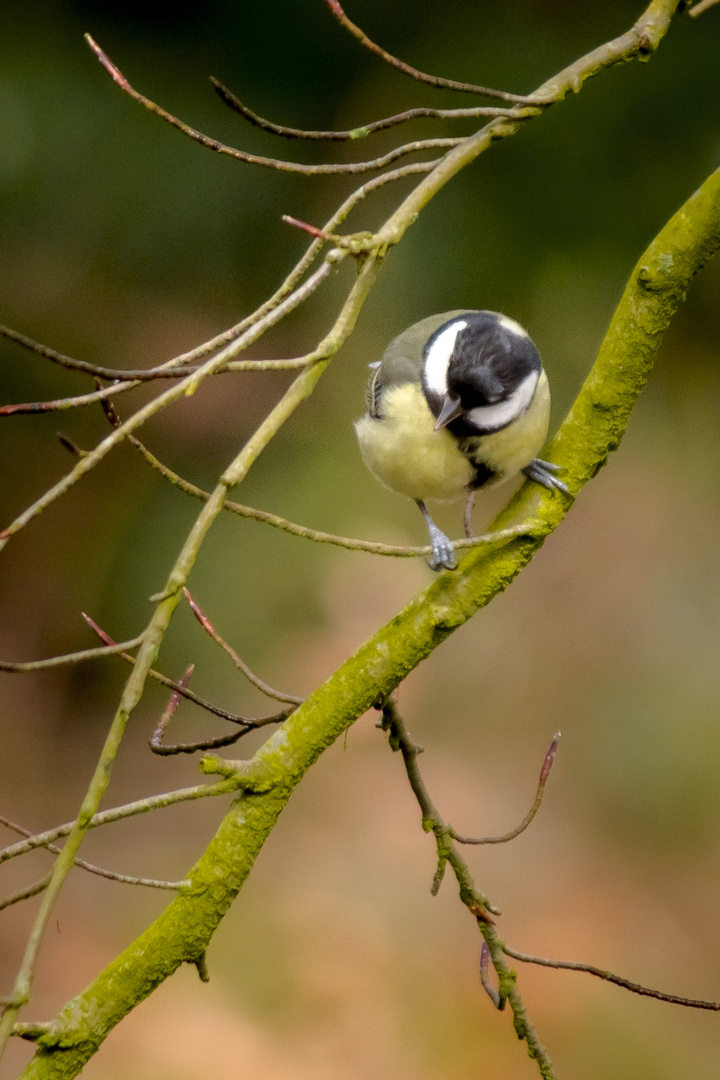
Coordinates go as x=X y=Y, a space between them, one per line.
x=443 y=556
x=543 y=473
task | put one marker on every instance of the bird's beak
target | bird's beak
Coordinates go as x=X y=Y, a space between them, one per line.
x=451 y=409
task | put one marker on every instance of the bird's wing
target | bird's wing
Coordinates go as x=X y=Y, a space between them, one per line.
x=403 y=359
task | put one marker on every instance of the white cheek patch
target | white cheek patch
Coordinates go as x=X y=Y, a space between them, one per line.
x=512 y=327
x=492 y=417
x=438 y=357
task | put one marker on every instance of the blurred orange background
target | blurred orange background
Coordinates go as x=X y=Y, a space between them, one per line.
x=123 y=244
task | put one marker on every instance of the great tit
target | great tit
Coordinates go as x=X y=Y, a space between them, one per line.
x=459 y=401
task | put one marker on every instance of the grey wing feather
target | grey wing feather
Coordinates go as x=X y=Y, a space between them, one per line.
x=372 y=394
x=403 y=361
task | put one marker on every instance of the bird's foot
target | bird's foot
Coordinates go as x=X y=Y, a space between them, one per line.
x=443 y=556
x=543 y=472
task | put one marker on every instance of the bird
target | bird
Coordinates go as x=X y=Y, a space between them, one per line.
x=459 y=401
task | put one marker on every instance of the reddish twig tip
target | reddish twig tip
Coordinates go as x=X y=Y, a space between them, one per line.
x=175 y=697
x=107 y=63
x=485 y=975
x=98 y=630
x=199 y=613
x=311 y=229
x=550 y=757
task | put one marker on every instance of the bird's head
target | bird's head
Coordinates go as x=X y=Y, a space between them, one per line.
x=480 y=373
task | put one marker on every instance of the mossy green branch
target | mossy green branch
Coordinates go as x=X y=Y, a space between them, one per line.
x=659 y=283
x=594 y=427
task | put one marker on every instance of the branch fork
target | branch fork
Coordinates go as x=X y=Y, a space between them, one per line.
x=253 y=777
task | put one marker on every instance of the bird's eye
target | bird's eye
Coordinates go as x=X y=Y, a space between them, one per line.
x=480 y=386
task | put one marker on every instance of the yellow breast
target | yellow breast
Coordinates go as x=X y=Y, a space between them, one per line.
x=404 y=452
x=407 y=455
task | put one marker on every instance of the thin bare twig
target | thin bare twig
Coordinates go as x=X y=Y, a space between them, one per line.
x=636 y=988
x=475 y=901
x=702 y=6
x=641 y=40
x=186 y=387
x=70 y=445
x=420 y=76
x=183 y=364
x=110 y=649
x=170 y=749
x=26 y=893
x=119 y=813
x=400 y=739
x=544 y=774
x=68 y=402
x=313 y=230
x=171 y=369
x=336 y=169
x=111 y=875
x=296 y=274
x=372 y=547
x=165 y=750
x=240 y=664
x=391 y=176
x=362 y=130
x=66 y=361
x=169 y=710
x=246 y=722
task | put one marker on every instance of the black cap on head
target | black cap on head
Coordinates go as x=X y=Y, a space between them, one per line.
x=491 y=357
x=480 y=372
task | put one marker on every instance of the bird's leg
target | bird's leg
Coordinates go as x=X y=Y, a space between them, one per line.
x=443 y=556
x=543 y=472
x=467 y=516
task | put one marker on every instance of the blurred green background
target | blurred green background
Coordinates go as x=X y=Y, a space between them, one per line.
x=123 y=243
